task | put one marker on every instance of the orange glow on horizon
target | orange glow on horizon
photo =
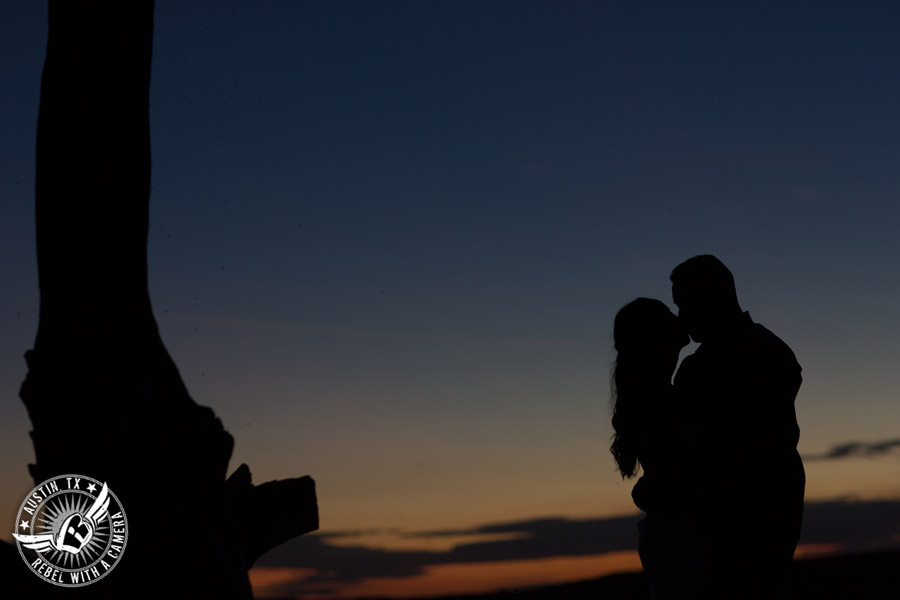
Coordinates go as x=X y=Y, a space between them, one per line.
x=459 y=578
x=817 y=550
x=394 y=542
x=266 y=581
x=471 y=578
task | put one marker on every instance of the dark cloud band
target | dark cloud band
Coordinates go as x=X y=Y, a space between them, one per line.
x=858 y=449
x=851 y=525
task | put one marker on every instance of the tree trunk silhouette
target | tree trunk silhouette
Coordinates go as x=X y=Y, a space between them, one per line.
x=104 y=397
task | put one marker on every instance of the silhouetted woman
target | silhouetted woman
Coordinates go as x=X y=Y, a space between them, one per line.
x=653 y=434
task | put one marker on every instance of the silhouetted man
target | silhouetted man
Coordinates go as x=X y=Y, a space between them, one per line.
x=740 y=386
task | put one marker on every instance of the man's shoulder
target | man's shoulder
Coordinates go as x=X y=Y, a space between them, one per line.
x=761 y=350
x=751 y=342
x=759 y=341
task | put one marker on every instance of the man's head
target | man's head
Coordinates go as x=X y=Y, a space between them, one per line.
x=703 y=289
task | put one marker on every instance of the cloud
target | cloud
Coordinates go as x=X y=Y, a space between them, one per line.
x=858 y=449
x=545 y=538
x=848 y=525
x=855 y=525
x=540 y=538
x=346 y=564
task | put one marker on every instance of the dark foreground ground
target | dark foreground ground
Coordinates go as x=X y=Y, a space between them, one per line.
x=857 y=577
x=873 y=576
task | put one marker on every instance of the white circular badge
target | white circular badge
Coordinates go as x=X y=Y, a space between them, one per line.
x=71 y=530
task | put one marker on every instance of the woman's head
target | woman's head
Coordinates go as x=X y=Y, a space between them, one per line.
x=648 y=338
x=646 y=328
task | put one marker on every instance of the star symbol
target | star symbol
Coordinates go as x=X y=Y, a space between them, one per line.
x=24 y=525
x=92 y=488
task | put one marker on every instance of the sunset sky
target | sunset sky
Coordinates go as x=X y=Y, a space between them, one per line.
x=388 y=240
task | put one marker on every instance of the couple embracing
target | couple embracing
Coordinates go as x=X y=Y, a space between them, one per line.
x=722 y=482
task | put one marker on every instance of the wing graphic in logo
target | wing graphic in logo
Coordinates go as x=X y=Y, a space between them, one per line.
x=76 y=531
x=42 y=542
x=97 y=512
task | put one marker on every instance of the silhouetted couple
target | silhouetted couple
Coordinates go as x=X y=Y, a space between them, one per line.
x=722 y=484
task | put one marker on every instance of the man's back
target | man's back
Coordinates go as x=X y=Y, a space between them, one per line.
x=741 y=389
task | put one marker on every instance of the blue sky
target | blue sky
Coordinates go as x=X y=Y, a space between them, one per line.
x=388 y=239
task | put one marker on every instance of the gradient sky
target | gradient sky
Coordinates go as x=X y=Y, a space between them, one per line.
x=388 y=240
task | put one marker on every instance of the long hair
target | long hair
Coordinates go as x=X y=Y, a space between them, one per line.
x=642 y=329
